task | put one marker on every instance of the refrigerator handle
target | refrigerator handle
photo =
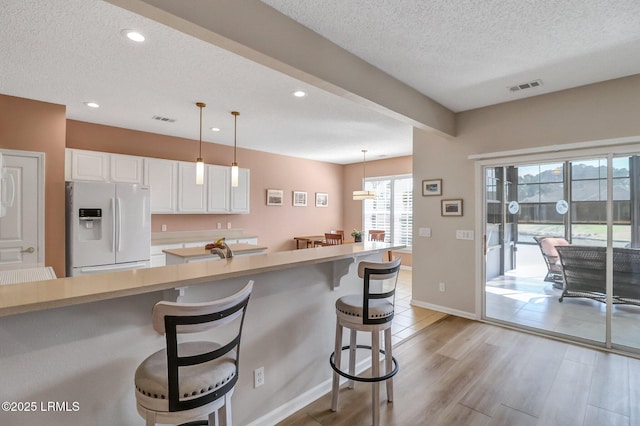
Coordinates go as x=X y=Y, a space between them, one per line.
x=113 y=225
x=119 y=223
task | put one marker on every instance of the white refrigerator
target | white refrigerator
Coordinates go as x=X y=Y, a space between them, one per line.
x=108 y=227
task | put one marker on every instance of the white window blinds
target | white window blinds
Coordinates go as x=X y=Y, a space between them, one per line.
x=392 y=209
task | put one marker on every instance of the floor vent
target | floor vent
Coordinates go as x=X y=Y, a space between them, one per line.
x=524 y=86
x=166 y=119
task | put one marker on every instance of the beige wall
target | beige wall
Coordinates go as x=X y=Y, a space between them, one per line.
x=595 y=112
x=38 y=126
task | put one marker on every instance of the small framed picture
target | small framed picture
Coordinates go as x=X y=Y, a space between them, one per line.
x=432 y=187
x=322 y=199
x=275 y=197
x=451 y=207
x=299 y=199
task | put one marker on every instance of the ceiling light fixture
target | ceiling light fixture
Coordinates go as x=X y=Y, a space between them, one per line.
x=234 y=165
x=364 y=195
x=215 y=129
x=92 y=105
x=299 y=94
x=133 y=36
x=199 y=161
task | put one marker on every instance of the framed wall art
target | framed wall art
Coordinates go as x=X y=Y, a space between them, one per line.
x=299 y=199
x=432 y=187
x=275 y=197
x=451 y=207
x=322 y=199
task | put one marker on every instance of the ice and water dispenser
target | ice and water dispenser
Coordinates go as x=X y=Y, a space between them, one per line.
x=90 y=224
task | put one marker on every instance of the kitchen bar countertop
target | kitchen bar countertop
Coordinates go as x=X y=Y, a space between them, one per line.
x=159 y=238
x=42 y=295
x=201 y=251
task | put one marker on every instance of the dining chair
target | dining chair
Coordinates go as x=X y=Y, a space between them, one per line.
x=333 y=239
x=376 y=235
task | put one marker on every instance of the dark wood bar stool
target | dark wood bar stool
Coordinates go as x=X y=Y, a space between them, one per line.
x=192 y=380
x=370 y=312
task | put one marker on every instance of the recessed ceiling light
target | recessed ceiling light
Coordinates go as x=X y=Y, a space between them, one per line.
x=92 y=104
x=133 y=35
x=299 y=94
x=215 y=129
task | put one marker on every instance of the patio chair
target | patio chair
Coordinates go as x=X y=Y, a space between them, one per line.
x=550 y=254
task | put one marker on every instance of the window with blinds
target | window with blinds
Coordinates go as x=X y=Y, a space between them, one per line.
x=392 y=209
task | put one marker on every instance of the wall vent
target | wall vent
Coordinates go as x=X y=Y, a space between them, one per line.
x=524 y=86
x=166 y=119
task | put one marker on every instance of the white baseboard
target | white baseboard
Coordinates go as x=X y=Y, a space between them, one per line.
x=444 y=309
x=282 y=412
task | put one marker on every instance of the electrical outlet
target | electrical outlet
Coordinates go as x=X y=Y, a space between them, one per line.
x=228 y=225
x=258 y=377
x=219 y=225
x=442 y=287
x=164 y=228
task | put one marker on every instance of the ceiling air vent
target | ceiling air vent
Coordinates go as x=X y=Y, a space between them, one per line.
x=166 y=119
x=524 y=86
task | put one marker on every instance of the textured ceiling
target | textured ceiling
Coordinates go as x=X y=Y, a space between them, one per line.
x=463 y=54
x=70 y=52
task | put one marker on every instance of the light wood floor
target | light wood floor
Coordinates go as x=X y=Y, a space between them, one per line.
x=462 y=372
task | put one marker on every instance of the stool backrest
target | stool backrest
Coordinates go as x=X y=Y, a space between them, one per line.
x=173 y=318
x=384 y=277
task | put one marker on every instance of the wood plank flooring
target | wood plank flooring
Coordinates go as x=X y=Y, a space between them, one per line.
x=462 y=372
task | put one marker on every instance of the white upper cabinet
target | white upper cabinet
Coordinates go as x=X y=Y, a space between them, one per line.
x=218 y=189
x=240 y=195
x=89 y=165
x=172 y=183
x=222 y=198
x=126 y=168
x=162 y=178
x=192 y=198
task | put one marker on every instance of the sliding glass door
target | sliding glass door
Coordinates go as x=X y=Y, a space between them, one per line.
x=556 y=236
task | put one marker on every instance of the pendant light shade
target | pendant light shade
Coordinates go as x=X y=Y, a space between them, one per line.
x=234 y=165
x=363 y=195
x=199 y=160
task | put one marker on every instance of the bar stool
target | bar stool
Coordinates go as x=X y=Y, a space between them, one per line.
x=194 y=379
x=370 y=312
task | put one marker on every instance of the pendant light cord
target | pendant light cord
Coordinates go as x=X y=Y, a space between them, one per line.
x=235 y=133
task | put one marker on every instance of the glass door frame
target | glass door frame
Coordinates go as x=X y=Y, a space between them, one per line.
x=483 y=162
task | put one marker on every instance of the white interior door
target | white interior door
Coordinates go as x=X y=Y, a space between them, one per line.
x=21 y=206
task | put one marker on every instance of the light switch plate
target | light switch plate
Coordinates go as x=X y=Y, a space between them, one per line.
x=462 y=234
x=424 y=232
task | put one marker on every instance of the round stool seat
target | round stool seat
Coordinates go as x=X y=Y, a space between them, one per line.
x=351 y=307
x=151 y=380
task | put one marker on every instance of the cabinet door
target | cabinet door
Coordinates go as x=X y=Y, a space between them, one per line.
x=160 y=176
x=240 y=194
x=126 y=168
x=219 y=189
x=89 y=165
x=191 y=197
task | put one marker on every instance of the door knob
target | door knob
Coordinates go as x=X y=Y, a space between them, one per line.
x=28 y=250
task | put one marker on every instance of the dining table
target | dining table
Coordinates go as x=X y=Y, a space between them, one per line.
x=308 y=240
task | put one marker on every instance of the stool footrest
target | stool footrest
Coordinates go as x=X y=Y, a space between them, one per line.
x=196 y=423
x=364 y=379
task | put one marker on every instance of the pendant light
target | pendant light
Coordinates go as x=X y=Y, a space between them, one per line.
x=199 y=161
x=234 y=165
x=364 y=195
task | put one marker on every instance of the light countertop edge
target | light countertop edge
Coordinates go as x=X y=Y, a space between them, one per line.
x=42 y=295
